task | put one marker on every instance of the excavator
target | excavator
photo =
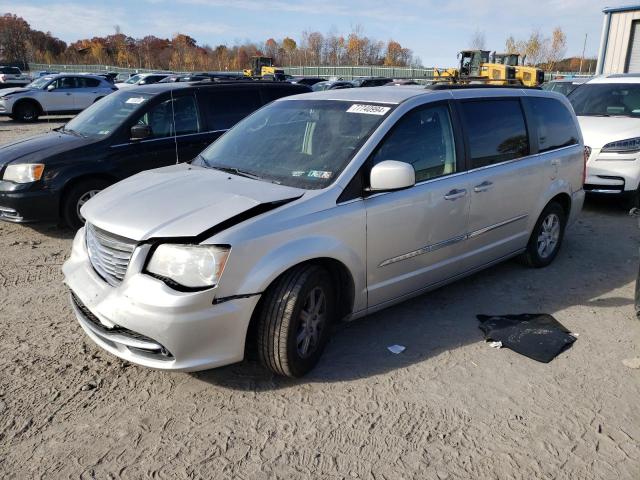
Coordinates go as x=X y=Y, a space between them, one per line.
x=529 y=76
x=262 y=67
x=475 y=66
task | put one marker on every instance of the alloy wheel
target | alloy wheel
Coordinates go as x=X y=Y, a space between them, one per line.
x=313 y=318
x=549 y=235
x=84 y=199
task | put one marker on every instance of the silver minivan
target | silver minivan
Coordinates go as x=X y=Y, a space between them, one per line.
x=317 y=208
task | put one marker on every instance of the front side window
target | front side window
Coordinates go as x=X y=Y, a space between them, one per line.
x=607 y=99
x=103 y=117
x=299 y=143
x=179 y=115
x=423 y=138
x=555 y=125
x=65 y=83
x=496 y=130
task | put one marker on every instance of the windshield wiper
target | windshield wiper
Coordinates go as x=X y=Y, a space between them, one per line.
x=71 y=132
x=237 y=171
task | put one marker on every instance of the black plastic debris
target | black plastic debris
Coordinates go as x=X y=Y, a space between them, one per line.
x=535 y=335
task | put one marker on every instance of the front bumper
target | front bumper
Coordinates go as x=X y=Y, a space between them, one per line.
x=144 y=321
x=28 y=206
x=612 y=173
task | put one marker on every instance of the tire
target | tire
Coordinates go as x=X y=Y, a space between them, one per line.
x=549 y=229
x=288 y=344
x=76 y=197
x=26 y=112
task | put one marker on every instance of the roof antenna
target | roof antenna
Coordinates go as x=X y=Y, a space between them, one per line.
x=173 y=120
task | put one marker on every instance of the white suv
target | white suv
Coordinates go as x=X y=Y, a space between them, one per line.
x=12 y=77
x=53 y=95
x=142 y=79
x=608 y=109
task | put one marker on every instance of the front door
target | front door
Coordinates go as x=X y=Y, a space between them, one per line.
x=177 y=136
x=61 y=98
x=415 y=237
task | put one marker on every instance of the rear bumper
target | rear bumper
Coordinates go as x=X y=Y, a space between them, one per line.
x=23 y=207
x=577 y=202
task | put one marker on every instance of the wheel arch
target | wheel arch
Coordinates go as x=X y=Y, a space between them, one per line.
x=72 y=182
x=22 y=101
x=340 y=275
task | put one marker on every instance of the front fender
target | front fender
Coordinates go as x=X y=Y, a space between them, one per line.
x=300 y=250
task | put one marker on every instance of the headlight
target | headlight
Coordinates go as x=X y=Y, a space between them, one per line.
x=191 y=266
x=23 y=172
x=630 y=145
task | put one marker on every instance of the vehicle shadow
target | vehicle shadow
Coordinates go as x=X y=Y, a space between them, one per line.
x=52 y=230
x=582 y=274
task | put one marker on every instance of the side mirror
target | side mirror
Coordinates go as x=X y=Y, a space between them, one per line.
x=391 y=175
x=140 y=132
x=51 y=87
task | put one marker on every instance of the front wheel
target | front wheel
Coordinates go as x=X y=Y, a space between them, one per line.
x=26 y=112
x=76 y=197
x=295 y=319
x=546 y=237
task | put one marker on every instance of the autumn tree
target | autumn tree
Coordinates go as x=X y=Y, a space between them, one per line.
x=14 y=35
x=478 y=41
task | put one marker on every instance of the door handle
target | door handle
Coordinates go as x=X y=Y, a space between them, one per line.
x=68 y=93
x=483 y=187
x=455 y=194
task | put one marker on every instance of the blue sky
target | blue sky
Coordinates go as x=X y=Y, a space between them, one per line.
x=434 y=29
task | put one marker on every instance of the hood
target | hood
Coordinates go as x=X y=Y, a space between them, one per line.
x=598 y=131
x=178 y=201
x=6 y=91
x=40 y=147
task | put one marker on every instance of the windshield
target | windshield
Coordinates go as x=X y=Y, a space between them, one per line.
x=103 y=117
x=298 y=143
x=133 y=79
x=40 y=83
x=607 y=99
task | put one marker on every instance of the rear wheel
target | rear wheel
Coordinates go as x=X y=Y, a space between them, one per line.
x=26 y=112
x=76 y=197
x=546 y=237
x=295 y=319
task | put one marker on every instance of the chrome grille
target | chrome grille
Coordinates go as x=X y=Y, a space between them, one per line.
x=109 y=254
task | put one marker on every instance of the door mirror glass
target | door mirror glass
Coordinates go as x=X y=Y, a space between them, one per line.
x=140 y=132
x=391 y=175
x=51 y=87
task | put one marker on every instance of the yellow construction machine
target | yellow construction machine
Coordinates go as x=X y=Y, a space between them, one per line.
x=475 y=67
x=529 y=76
x=263 y=67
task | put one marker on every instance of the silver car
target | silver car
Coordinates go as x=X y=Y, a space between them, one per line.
x=317 y=208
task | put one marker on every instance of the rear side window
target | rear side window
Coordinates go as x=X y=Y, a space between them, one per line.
x=496 y=131
x=88 y=82
x=271 y=94
x=226 y=107
x=555 y=124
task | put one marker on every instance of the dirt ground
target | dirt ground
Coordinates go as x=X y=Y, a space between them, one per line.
x=448 y=407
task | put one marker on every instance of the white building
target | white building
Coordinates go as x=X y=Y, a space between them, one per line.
x=620 y=41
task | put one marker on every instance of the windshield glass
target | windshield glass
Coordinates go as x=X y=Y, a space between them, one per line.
x=133 y=79
x=607 y=99
x=298 y=143
x=104 y=116
x=40 y=82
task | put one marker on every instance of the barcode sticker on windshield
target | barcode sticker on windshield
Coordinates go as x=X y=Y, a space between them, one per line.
x=135 y=100
x=368 y=109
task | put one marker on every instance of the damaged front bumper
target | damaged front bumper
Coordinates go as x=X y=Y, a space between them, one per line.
x=146 y=322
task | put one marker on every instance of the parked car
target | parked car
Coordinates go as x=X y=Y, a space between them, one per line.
x=564 y=85
x=12 y=77
x=320 y=207
x=401 y=82
x=370 y=81
x=331 y=85
x=310 y=81
x=50 y=176
x=53 y=95
x=184 y=78
x=142 y=79
x=608 y=110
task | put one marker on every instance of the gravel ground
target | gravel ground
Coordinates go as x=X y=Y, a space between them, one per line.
x=448 y=407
